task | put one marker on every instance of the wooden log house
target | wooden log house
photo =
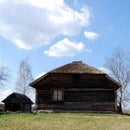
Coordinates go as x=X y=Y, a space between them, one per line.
x=76 y=87
x=17 y=102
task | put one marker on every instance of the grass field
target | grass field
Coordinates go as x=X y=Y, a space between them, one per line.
x=64 y=121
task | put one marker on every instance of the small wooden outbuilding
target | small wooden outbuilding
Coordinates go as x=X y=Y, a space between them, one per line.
x=76 y=87
x=18 y=102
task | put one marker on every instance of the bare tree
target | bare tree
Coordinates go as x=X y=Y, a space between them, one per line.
x=4 y=75
x=119 y=66
x=24 y=77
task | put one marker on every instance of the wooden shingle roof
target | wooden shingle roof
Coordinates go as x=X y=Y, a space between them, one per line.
x=17 y=97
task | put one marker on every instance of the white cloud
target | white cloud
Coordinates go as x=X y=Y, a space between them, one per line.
x=1 y=62
x=34 y=23
x=1 y=0
x=65 y=47
x=91 y=35
x=105 y=70
x=46 y=3
x=21 y=44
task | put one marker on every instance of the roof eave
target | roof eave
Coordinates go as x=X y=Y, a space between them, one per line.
x=38 y=79
x=114 y=81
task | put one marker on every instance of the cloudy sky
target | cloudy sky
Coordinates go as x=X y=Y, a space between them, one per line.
x=55 y=32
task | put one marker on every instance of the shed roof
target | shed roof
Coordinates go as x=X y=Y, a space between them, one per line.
x=21 y=98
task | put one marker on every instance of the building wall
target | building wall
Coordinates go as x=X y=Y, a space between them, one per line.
x=25 y=107
x=86 y=100
x=17 y=107
x=81 y=92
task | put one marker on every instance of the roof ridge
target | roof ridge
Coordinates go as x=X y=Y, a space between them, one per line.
x=77 y=67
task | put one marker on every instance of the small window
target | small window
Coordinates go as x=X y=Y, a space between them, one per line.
x=57 y=95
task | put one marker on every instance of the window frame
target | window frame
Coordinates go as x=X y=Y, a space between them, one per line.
x=58 y=95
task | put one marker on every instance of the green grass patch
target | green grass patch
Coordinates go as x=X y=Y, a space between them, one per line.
x=64 y=121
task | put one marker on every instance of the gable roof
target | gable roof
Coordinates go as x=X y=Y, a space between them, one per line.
x=21 y=98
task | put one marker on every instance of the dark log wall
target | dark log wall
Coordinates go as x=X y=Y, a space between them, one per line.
x=25 y=107
x=45 y=97
x=18 y=107
x=81 y=92
x=100 y=100
x=89 y=96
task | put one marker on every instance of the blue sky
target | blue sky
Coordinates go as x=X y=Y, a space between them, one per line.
x=53 y=33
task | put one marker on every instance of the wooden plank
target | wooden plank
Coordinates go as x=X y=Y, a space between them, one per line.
x=89 y=89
